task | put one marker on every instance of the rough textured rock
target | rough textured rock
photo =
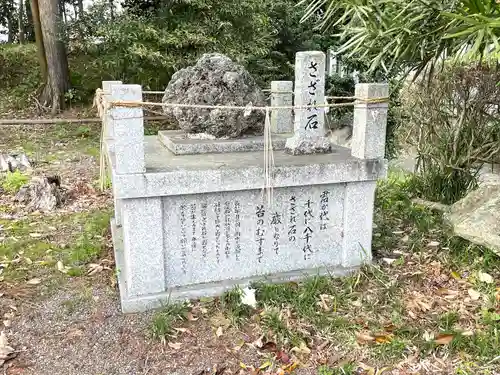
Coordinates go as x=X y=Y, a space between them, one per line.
x=215 y=80
x=477 y=217
x=14 y=162
x=41 y=194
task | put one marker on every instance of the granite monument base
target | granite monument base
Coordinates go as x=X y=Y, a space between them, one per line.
x=196 y=225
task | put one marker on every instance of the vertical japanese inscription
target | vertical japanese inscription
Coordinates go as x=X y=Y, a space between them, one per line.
x=217 y=231
x=292 y=220
x=260 y=232
x=183 y=238
x=276 y=223
x=308 y=232
x=227 y=227
x=323 y=213
x=204 y=239
x=237 y=230
x=193 y=227
x=312 y=116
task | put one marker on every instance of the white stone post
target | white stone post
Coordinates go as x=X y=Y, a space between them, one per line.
x=141 y=218
x=370 y=121
x=333 y=63
x=108 y=128
x=128 y=130
x=281 y=95
x=309 y=124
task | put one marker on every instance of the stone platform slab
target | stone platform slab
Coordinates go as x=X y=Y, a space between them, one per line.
x=179 y=143
x=170 y=174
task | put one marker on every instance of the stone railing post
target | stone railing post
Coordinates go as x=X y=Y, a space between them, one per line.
x=281 y=95
x=368 y=142
x=108 y=128
x=141 y=218
x=127 y=125
x=309 y=123
x=370 y=121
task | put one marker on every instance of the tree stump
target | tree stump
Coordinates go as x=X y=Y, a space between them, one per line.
x=41 y=194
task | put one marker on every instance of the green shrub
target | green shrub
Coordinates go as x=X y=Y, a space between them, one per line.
x=455 y=126
x=19 y=74
x=13 y=181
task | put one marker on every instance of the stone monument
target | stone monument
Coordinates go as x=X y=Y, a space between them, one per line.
x=191 y=219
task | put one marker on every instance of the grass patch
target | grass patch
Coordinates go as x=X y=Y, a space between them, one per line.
x=13 y=181
x=236 y=311
x=347 y=369
x=161 y=326
x=33 y=246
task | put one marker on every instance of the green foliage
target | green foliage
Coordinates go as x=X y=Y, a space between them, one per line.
x=347 y=369
x=19 y=74
x=412 y=34
x=149 y=48
x=161 y=326
x=13 y=181
x=454 y=128
x=232 y=306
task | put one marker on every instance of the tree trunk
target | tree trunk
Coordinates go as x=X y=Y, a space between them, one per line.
x=40 y=49
x=20 y=22
x=10 y=26
x=112 y=9
x=62 y=11
x=80 y=9
x=55 y=54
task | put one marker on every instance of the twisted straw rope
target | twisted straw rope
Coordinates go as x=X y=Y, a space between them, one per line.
x=103 y=105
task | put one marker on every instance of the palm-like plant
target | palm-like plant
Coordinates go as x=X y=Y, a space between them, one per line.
x=411 y=34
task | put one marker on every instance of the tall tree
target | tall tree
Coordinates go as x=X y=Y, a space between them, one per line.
x=112 y=10
x=20 y=21
x=57 y=80
x=40 y=49
x=80 y=9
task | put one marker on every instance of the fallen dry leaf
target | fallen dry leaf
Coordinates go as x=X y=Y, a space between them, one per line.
x=474 y=294
x=34 y=281
x=283 y=357
x=269 y=346
x=485 y=277
x=191 y=317
x=219 y=332
x=363 y=338
x=61 y=267
x=301 y=349
x=443 y=339
x=258 y=343
x=6 y=352
x=447 y=292
x=389 y=261
x=175 y=345
x=265 y=365
x=381 y=339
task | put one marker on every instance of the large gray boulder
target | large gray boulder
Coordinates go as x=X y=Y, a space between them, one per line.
x=215 y=80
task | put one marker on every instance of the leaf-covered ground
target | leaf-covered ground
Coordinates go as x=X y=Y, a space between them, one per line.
x=430 y=303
